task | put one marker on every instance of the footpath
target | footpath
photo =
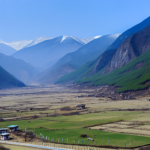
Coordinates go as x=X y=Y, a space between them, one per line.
x=31 y=145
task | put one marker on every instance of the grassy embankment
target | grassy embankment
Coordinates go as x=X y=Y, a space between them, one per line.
x=72 y=127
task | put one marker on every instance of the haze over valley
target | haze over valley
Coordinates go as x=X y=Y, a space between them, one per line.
x=68 y=59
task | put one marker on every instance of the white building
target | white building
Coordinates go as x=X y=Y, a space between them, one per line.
x=3 y=130
x=5 y=136
x=13 y=128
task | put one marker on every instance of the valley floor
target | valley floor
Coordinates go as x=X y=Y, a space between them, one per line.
x=51 y=112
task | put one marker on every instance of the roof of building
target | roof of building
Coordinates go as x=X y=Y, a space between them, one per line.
x=5 y=134
x=1 y=129
x=13 y=126
x=80 y=105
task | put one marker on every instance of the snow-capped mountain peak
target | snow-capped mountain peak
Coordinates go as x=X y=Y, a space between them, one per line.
x=37 y=40
x=64 y=37
x=80 y=40
x=24 y=43
x=27 y=43
x=117 y=35
x=17 y=44
x=98 y=36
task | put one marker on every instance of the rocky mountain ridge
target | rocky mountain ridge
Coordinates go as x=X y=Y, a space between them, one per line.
x=131 y=48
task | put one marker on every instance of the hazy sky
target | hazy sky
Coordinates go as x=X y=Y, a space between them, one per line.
x=27 y=19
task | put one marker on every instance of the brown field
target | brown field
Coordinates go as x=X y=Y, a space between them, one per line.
x=46 y=101
x=136 y=128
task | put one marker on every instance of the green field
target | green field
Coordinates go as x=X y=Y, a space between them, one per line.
x=71 y=127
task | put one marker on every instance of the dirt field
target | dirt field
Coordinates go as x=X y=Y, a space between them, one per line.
x=133 y=127
x=48 y=101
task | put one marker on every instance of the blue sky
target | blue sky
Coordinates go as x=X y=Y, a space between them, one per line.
x=27 y=19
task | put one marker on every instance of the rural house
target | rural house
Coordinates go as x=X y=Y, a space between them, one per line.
x=13 y=128
x=5 y=136
x=80 y=106
x=3 y=130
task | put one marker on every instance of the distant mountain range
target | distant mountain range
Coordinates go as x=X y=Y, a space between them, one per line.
x=17 y=67
x=36 y=41
x=119 y=60
x=74 y=60
x=23 y=70
x=125 y=63
x=17 y=45
x=88 y=52
x=48 y=52
x=8 y=81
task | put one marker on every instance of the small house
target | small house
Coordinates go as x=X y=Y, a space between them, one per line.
x=148 y=100
x=5 y=136
x=3 y=130
x=80 y=106
x=13 y=128
x=29 y=109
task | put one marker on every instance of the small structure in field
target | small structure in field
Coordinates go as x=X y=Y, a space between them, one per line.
x=5 y=136
x=29 y=109
x=3 y=130
x=148 y=100
x=1 y=119
x=90 y=139
x=13 y=128
x=83 y=135
x=80 y=106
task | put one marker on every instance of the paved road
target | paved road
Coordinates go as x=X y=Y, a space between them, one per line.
x=31 y=145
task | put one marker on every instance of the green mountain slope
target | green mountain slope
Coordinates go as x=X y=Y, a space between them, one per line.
x=133 y=76
x=8 y=81
x=87 y=69
x=129 y=77
x=74 y=60
x=78 y=74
